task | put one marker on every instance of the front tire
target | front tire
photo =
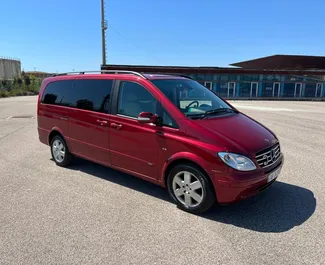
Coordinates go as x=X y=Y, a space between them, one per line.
x=190 y=188
x=60 y=152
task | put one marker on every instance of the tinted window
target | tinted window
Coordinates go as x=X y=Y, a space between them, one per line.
x=245 y=89
x=310 y=90
x=267 y=90
x=167 y=120
x=57 y=93
x=91 y=94
x=222 y=89
x=134 y=99
x=249 y=77
x=289 y=90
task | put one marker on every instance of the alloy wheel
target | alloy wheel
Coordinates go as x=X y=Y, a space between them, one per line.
x=188 y=189
x=58 y=150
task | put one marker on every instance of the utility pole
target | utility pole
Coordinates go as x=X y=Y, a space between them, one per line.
x=104 y=28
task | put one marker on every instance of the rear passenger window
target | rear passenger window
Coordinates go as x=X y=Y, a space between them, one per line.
x=56 y=93
x=91 y=94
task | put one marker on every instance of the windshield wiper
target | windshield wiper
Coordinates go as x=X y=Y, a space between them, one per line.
x=217 y=111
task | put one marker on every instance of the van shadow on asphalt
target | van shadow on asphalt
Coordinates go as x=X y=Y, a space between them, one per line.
x=278 y=209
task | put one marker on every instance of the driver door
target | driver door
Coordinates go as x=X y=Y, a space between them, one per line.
x=134 y=146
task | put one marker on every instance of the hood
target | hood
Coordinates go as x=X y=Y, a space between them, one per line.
x=239 y=133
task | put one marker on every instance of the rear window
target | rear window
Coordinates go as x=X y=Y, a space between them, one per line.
x=87 y=94
x=56 y=93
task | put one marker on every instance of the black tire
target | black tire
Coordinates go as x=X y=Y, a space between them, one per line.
x=67 y=157
x=207 y=190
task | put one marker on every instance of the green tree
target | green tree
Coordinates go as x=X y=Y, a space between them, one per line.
x=27 y=80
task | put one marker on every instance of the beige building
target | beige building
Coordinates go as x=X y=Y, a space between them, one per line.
x=9 y=68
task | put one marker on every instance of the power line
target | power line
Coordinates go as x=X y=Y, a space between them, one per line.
x=130 y=41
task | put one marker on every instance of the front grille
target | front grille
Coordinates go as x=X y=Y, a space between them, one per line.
x=269 y=156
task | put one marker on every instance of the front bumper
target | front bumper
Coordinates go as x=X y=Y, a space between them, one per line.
x=231 y=188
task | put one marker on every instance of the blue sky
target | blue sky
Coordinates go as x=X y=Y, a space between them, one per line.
x=63 y=35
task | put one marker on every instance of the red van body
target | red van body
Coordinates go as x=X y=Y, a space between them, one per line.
x=149 y=150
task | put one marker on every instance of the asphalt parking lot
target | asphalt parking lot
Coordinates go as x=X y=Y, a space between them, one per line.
x=88 y=214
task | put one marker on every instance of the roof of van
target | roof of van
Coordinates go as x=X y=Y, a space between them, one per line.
x=164 y=76
x=148 y=76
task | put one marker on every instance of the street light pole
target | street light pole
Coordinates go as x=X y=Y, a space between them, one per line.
x=104 y=28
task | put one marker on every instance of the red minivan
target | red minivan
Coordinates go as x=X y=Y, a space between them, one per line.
x=169 y=130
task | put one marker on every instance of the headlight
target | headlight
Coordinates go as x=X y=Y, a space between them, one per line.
x=238 y=162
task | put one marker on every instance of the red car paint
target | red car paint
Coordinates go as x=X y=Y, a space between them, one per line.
x=146 y=151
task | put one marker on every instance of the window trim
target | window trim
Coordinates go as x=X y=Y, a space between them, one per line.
x=251 y=90
x=300 y=90
x=279 y=89
x=210 y=85
x=321 y=90
x=127 y=117
x=234 y=89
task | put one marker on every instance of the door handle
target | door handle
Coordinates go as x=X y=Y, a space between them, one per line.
x=116 y=126
x=161 y=133
x=101 y=122
x=64 y=118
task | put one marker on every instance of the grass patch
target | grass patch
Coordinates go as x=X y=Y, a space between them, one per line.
x=4 y=94
x=17 y=92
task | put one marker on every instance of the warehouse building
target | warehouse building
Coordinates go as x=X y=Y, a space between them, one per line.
x=273 y=77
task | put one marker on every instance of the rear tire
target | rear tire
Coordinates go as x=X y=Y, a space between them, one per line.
x=60 y=152
x=190 y=188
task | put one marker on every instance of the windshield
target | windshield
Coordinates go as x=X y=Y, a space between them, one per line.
x=192 y=98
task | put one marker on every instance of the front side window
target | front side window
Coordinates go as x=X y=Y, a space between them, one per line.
x=134 y=99
x=190 y=97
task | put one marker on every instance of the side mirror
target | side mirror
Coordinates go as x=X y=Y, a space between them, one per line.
x=148 y=117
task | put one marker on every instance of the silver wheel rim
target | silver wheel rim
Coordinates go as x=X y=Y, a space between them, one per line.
x=58 y=150
x=188 y=189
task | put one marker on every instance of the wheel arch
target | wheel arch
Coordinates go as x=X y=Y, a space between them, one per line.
x=54 y=132
x=185 y=158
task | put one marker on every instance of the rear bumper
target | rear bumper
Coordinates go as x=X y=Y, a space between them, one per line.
x=230 y=190
x=43 y=136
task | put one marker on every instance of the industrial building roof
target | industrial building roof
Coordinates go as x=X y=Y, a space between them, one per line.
x=209 y=70
x=281 y=62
